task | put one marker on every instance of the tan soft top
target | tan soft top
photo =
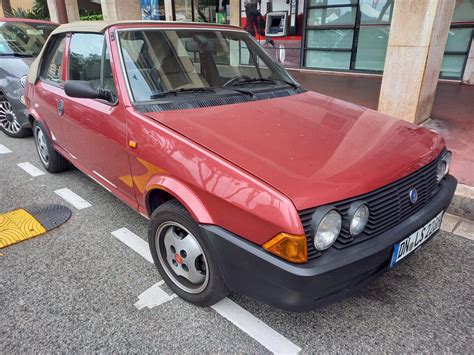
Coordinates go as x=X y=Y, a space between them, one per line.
x=100 y=27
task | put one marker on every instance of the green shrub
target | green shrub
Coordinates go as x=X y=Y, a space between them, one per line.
x=92 y=18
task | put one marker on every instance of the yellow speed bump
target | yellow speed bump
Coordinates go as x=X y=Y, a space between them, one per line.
x=23 y=224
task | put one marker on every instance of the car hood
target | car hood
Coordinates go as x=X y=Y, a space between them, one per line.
x=313 y=148
x=15 y=66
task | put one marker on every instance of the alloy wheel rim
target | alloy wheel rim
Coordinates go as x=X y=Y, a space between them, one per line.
x=182 y=257
x=8 y=120
x=41 y=146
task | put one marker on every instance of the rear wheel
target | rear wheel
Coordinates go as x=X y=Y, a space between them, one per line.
x=183 y=257
x=8 y=121
x=50 y=158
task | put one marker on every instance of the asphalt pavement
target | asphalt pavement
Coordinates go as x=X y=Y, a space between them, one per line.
x=75 y=289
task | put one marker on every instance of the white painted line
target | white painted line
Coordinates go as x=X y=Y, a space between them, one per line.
x=153 y=297
x=74 y=199
x=261 y=332
x=31 y=169
x=134 y=242
x=244 y=320
x=4 y=150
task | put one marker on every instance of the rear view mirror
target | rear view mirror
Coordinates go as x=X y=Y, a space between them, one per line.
x=84 y=89
x=200 y=44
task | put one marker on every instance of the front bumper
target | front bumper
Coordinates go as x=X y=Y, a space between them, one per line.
x=249 y=269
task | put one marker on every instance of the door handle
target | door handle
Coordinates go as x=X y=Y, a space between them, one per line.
x=60 y=107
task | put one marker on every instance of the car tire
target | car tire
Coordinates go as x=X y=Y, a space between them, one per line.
x=174 y=232
x=8 y=121
x=51 y=160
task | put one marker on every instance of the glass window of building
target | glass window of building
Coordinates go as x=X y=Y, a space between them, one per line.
x=213 y=11
x=347 y=34
x=353 y=35
x=460 y=36
x=329 y=37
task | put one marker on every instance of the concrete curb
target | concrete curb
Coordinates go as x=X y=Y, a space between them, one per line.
x=463 y=202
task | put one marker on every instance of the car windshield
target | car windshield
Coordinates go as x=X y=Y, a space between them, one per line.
x=23 y=39
x=161 y=62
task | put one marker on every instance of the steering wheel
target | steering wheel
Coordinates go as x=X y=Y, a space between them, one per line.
x=235 y=79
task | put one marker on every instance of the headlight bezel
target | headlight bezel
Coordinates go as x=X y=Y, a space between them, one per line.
x=351 y=215
x=320 y=216
x=444 y=164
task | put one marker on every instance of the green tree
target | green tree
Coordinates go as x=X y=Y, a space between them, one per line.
x=40 y=9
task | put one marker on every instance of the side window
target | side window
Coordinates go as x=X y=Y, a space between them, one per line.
x=85 y=57
x=89 y=60
x=51 y=70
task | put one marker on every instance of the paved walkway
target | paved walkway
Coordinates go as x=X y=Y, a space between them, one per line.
x=452 y=116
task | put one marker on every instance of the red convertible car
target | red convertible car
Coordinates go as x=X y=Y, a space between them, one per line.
x=251 y=183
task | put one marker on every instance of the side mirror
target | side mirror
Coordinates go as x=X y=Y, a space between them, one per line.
x=84 y=89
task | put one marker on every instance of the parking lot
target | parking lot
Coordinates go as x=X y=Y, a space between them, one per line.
x=77 y=288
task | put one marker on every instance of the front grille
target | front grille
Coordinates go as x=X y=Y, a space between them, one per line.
x=388 y=205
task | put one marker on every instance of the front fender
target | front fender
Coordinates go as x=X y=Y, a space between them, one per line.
x=183 y=194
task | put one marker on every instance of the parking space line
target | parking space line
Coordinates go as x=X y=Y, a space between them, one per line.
x=74 y=199
x=31 y=169
x=133 y=241
x=261 y=332
x=243 y=319
x=4 y=150
x=153 y=297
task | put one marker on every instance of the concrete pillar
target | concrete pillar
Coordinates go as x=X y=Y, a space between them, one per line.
x=121 y=10
x=468 y=77
x=57 y=11
x=418 y=35
x=72 y=10
x=235 y=12
x=169 y=10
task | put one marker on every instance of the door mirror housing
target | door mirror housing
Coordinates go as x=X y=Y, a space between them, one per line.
x=84 y=89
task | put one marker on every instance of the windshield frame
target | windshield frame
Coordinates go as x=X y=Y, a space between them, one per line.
x=34 y=25
x=275 y=65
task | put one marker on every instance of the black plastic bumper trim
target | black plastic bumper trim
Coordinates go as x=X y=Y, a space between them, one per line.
x=250 y=270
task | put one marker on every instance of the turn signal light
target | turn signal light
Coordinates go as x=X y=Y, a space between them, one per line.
x=289 y=247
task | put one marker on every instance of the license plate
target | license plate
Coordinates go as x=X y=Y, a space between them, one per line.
x=408 y=245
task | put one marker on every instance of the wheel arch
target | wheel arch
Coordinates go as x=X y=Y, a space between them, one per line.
x=34 y=116
x=163 y=188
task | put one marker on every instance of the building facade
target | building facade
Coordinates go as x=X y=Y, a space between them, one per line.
x=333 y=35
x=348 y=36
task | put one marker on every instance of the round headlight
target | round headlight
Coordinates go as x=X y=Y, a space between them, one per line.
x=327 y=229
x=359 y=220
x=443 y=166
x=23 y=80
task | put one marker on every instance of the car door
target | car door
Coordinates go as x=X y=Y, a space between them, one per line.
x=49 y=89
x=96 y=128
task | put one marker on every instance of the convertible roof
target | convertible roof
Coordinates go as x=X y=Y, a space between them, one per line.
x=101 y=26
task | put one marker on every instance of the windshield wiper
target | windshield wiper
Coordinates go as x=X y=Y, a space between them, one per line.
x=289 y=83
x=180 y=91
x=17 y=54
x=264 y=80
x=240 y=91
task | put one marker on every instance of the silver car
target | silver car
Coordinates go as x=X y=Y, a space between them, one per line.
x=20 y=42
